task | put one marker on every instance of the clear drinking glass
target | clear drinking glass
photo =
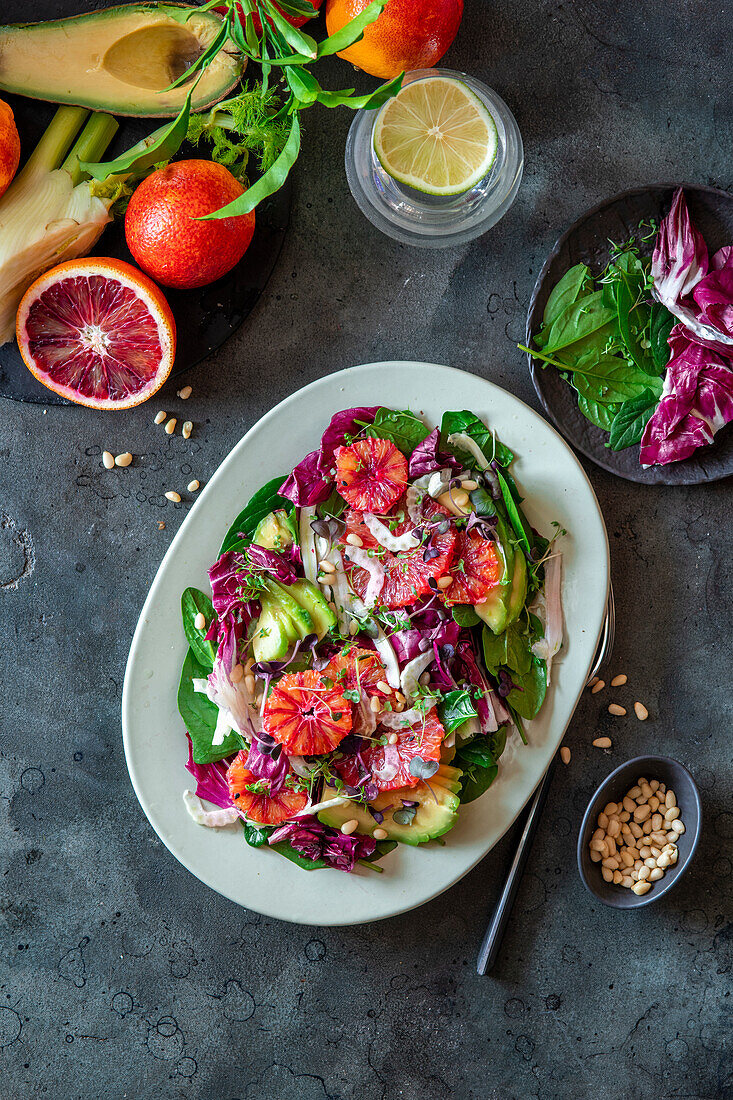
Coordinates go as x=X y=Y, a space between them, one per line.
x=435 y=221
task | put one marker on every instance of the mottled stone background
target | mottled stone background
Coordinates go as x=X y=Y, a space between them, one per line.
x=121 y=975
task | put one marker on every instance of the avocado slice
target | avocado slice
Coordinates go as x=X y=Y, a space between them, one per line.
x=313 y=600
x=118 y=59
x=436 y=813
x=300 y=617
x=276 y=531
x=518 y=593
x=271 y=640
x=495 y=609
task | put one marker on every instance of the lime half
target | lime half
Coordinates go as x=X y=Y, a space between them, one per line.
x=436 y=136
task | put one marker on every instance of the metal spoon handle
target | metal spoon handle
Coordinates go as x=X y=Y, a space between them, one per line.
x=491 y=943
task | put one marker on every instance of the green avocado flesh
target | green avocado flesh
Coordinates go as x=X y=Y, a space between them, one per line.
x=316 y=604
x=276 y=531
x=118 y=60
x=288 y=614
x=495 y=610
x=271 y=639
x=437 y=811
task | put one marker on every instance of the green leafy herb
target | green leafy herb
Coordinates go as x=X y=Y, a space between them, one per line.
x=264 y=501
x=404 y=429
x=468 y=423
x=465 y=615
x=194 y=602
x=455 y=708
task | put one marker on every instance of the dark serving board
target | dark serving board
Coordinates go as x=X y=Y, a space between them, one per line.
x=205 y=317
x=587 y=241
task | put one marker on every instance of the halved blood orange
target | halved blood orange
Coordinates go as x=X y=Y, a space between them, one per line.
x=355 y=669
x=371 y=474
x=253 y=797
x=390 y=764
x=475 y=569
x=305 y=715
x=98 y=332
x=407 y=574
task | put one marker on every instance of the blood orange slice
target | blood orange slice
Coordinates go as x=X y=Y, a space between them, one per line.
x=371 y=474
x=475 y=569
x=407 y=574
x=354 y=669
x=305 y=715
x=390 y=764
x=98 y=332
x=254 y=799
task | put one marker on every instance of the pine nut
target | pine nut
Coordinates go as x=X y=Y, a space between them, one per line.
x=626 y=831
x=661 y=789
x=635 y=792
x=641 y=888
x=602 y=821
x=607 y=874
x=678 y=827
x=384 y=687
x=642 y=780
x=354 y=540
x=392 y=739
x=674 y=856
x=614 y=827
x=174 y=496
x=645 y=852
x=236 y=674
x=160 y=417
x=624 y=816
x=641 y=813
x=598 y=687
x=627 y=880
x=108 y=460
x=380 y=834
x=644 y=873
x=353 y=627
x=629 y=805
x=565 y=754
x=327 y=566
x=170 y=426
x=185 y=393
x=374 y=705
x=611 y=846
x=635 y=830
x=611 y=808
x=672 y=813
x=448 y=502
x=469 y=485
x=657 y=820
x=654 y=851
x=659 y=838
x=654 y=784
x=350 y=826
x=595 y=856
x=248 y=664
x=619 y=681
x=249 y=683
x=664 y=860
x=640 y=711
x=187 y=429
x=656 y=874
x=193 y=486
x=646 y=792
x=635 y=875
x=200 y=621
x=460 y=497
x=654 y=803
x=616 y=710
x=444 y=582
x=670 y=799
x=638 y=864
x=124 y=459
x=651 y=863
x=592 y=681
x=598 y=846
x=602 y=743
x=400 y=697
x=611 y=861
x=646 y=827
x=627 y=858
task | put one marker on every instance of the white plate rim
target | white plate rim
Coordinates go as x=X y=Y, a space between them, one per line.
x=282 y=906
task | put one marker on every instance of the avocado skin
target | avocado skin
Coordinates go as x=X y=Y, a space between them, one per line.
x=316 y=604
x=495 y=610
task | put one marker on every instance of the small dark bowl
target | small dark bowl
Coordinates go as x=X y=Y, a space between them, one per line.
x=613 y=789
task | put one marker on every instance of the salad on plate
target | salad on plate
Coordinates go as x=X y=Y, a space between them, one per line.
x=380 y=621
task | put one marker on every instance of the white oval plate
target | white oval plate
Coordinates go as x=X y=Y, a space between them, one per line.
x=556 y=488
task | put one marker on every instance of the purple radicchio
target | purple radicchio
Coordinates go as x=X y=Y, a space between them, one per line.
x=267 y=761
x=427 y=457
x=491 y=711
x=696 y=401
x=312 y=479
x=211 y=780
x=316 y=841
x=237 y=709
x=686 y=282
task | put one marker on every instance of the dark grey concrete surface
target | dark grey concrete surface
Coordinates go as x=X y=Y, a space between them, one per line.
x=121 y=975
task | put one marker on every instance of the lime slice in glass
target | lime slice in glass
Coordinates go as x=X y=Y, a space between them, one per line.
x=436 y=136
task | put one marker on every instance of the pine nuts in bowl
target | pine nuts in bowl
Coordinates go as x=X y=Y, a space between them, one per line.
x=648 y=796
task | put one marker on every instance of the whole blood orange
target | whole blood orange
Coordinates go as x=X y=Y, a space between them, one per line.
x=164 y=235
x=409 y=34
x=9 y=146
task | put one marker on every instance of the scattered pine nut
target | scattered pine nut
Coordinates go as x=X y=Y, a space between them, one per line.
x=327 y=566
x=193 y=486
x=124 y=459
x=469 y=485
x=400 y=697
x=350 y=827
x=354 y=540
x=392 y=739
x=174 y=496
x=615 y=709
x=380 y=834
x=185 y=393
x=592 y=682
x=602 y=743
x=108 y=460
x=249 y=683
x=374 y=705
x=619 y=681
x=161 y=525
x=445 y=582
x=598 y=686
x=641 y=712
x=236 y=674
x=160 y=417
x=171 y=426
x=460 y=497
x=383 y=686
x=187 y=429
x=641 y=888
x=565 y=754
x=200 y=621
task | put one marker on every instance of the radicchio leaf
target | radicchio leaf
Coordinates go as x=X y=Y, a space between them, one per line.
x=428 y=457
x=311 y=838
x=312 y=479
x=211 y=779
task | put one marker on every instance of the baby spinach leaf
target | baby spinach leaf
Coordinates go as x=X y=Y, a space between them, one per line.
x=479 y=768
x=511 y=649
x=632 y=312
x=283 y=848
x=563 y=294
x=662 y=323
x=598 y=413
x=610 y=380
x=199 y=715
x=469 y=423
x=404 y=429
x=256 y=835
x=520 y=526
x=465 y=615
x=193 y=602
x=495 y=650
x=455 y=708
x=631 y=419
x=529 y=694
x=264 y=501
x=577 y=320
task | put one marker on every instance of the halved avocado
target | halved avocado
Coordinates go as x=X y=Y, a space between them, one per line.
x=271 y=641
x=313 y=600
x=301 y=618
x=518 y=593
x=118 y=60
x=495 y=609
x=276 y=531
x=436 y=813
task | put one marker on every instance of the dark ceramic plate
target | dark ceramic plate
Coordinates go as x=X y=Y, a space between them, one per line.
x=587 y=241
x=206 y=317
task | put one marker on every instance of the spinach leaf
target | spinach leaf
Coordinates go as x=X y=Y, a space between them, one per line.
x=284 y=849
x=256 y=835
x=599 y=414
x=577 y=320
x=478 y=764
x=455 y=708
x=610 y=379
x=530 y=691
x=382 y=849
x=465 y=615
x=194 y=601
x=631 y=419
x=662 y=323
x=629 y=292
x=511 y=498
x=404 y=429
x=563 y=294
x=199 y=715
x=467 y=422
x=264 y=501
x=511 y=649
